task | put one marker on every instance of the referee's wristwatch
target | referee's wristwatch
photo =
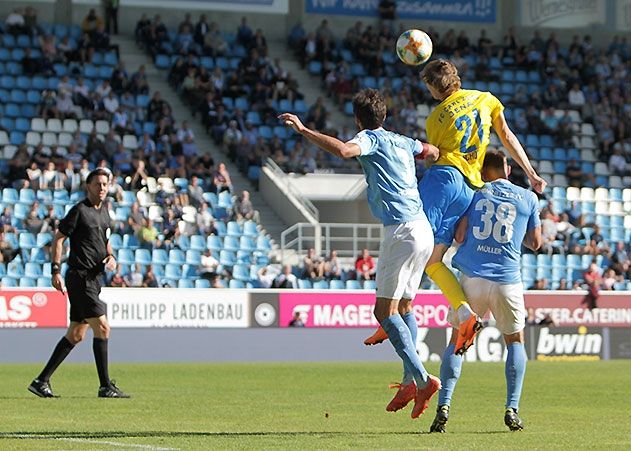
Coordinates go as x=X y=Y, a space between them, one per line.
x=55 y=268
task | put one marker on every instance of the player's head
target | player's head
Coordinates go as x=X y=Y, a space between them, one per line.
x=369 y=109
x=495 y=166
x=441 y=78
x=97 y=183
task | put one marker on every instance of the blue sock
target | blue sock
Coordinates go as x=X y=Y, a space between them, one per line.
x=410 y=321
x=449 y=374
x=399 y=336
x=515 y=370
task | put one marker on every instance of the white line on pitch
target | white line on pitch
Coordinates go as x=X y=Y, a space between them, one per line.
x=95 y=442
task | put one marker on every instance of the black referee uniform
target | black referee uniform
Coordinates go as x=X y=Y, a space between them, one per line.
x=88 y=230
x=87 y=226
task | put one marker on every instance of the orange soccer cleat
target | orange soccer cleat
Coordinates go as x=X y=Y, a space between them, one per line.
x=379 y=336
x=466 y=334
x=424 y=395
x=404 y=395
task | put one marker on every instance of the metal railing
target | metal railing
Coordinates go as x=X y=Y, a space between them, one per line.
x=347 y=239
x=285 y=181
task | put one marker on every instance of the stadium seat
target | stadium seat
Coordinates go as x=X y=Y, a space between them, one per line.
x=143 y=256
x=337 y=285
x=321 y=285
x=352 y=284
x=193 y=257
x=185 y=283
x=214 y=243
x=177 y=256
x=202 y=283
x=227 y=258
x=241 y=272
x=126 y=257
x=231 y=243
x=172 y=271
x=304 y=284
x=370 y=285
x=236 y=284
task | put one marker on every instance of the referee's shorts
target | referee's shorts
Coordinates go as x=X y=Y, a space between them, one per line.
x=83 y=292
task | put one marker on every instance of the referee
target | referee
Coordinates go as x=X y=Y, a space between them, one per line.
x=87 y=226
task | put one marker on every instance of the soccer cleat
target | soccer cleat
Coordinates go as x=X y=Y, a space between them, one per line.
x=41 y=389
x=466 y=334
x=112 y=391
x=404 y=395
x=511 y=420
x=424 y=395
x=440 y=420
x=379 y=336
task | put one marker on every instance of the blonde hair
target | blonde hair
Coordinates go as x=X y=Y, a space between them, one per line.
x=441 y=75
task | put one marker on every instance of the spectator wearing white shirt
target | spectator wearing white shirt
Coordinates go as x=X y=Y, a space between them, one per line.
x=185 y=132
x=135 y=277
x=65 y=107
x=286 y=279
x=617 y=163
x=103 y=89
x=110 y=103
x=575 y=96
x=208 y=265
x=121 y=122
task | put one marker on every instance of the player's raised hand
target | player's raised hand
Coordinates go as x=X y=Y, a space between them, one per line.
x=58 y=283
x=110 y=263
x=537 y=183
x=293 y=121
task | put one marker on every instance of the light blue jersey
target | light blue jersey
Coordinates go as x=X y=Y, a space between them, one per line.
x=388 y=163
x=499 y=217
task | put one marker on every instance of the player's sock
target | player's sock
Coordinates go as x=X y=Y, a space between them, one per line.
x=515 y=370
x=449 y=373
x=400 y=338
x=99 y=346
x=448 y=284
x=410 y=321
x=60 y=352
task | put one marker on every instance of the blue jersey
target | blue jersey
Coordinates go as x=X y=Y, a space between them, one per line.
x=499 y=217
x=388 y=163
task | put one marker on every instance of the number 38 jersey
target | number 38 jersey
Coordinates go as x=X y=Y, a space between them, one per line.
x=460 y=127
x=499 y=217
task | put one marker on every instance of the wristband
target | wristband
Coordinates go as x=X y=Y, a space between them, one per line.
x=55 y=268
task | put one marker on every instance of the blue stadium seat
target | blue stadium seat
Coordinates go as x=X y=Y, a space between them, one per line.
x=126 y=257
x=352 y=284
x=337 y=285
x=27 y=282
x=172 y=271
x=227 y=258
x=321 y=285
x=116 y=241
x=202 y=283
x=244 y=257
x=183 y=242
x=304 y=284
x=250 y=229
x=236 y=284
x=315 y=67
x=529 y=260
x=10 y=196
x=198 y=243
x=15 y=269
x=143 y=256
x=189 y=271
x=9 y=282
x=193 y=257
x=27 y=196
x=131 y=242
x=43 y=239
x=32 y=269
x=213 y=242
x=39 y=255
x=370 y=285
x=247 y=244
x=27 y=241
x=234 y=229
x=159 y=257
x=162 y=62
x=44 y=282
x=241 y=272
x=185 y=283
x=231 y=243
x=177 y=256
x=263 y=243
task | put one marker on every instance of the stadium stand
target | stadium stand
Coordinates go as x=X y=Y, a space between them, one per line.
x=166 y=201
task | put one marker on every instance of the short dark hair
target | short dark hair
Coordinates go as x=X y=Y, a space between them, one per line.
x=98 y=171
x=494 y=160
x=369 y=108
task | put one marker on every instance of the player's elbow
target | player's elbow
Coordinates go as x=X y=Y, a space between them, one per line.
x=536 y=242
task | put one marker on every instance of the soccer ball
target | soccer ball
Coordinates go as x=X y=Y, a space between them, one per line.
x=414 y=47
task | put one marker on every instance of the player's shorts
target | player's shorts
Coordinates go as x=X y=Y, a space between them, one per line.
x=446 y=197
x=505 y=301
x=403 y=255
x=83 y=294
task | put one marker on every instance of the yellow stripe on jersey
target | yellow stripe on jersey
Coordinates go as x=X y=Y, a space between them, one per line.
x=460 y=127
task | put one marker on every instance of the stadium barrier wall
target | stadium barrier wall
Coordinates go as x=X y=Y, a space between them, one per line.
x=251 y=325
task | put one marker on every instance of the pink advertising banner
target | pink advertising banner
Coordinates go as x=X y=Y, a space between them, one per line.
x=354 y=309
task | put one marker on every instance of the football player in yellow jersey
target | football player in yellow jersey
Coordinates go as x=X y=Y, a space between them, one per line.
x=460 y=127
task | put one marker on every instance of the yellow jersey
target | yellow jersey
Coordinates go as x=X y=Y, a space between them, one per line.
x=460 y=126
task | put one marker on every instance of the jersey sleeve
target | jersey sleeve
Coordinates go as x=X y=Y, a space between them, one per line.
x=68 y=224
x=495 y=106
x=534 y=220
x=366 y=142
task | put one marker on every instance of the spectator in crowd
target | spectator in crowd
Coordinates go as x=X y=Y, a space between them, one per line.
x=610 y=279
x=149 y=280
x=594 y=281
x=313 y=266
x=332 y=267
x=365 y=266
x=243 y=208
x=15 y=23
x=91 y=22
x=7 y=251
x=286 y=279
x=111 y=15
x=209 y=264
x=296 y=321
x=562 y=285
x=266 y=277
x=147 y=234
x=134 y=278
x=117 y=280
x=221 y=179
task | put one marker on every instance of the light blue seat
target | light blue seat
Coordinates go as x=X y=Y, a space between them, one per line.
x=250 y=229
x=38 y=255
x=130 y=241
x=231 y=243
x=15 y=269
x=27 y=241
x=305 y=284
x=189 y=271
x=126 y=257
x=116 y=241
x=28 y=282
x=44 y=282
x=370 y=285
x=321 y=285
x=32 y=269
x=241 y=272
x=236 y=284
x=172 y=271
x=9 y=282
x=352 y=284
x=337 y=285
x=198 y=243
x=193 y=257
x=177 y=256
x=214 y=243
x=227 y=258
x=247 y=244
x=185 y=283
x=143 y=256
x=202 y=283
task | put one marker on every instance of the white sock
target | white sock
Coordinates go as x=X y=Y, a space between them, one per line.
x=464 y=312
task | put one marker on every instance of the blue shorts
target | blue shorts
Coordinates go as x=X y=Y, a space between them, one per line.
x=446 y=198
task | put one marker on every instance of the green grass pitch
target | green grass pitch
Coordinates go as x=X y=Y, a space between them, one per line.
x=307 y=405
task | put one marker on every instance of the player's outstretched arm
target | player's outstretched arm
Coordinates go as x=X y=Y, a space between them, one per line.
x=517 y=153
x=328 y=143
x=533 y=239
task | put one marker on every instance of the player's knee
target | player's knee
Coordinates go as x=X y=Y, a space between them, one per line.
x=103 y=330
x=75 y=337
